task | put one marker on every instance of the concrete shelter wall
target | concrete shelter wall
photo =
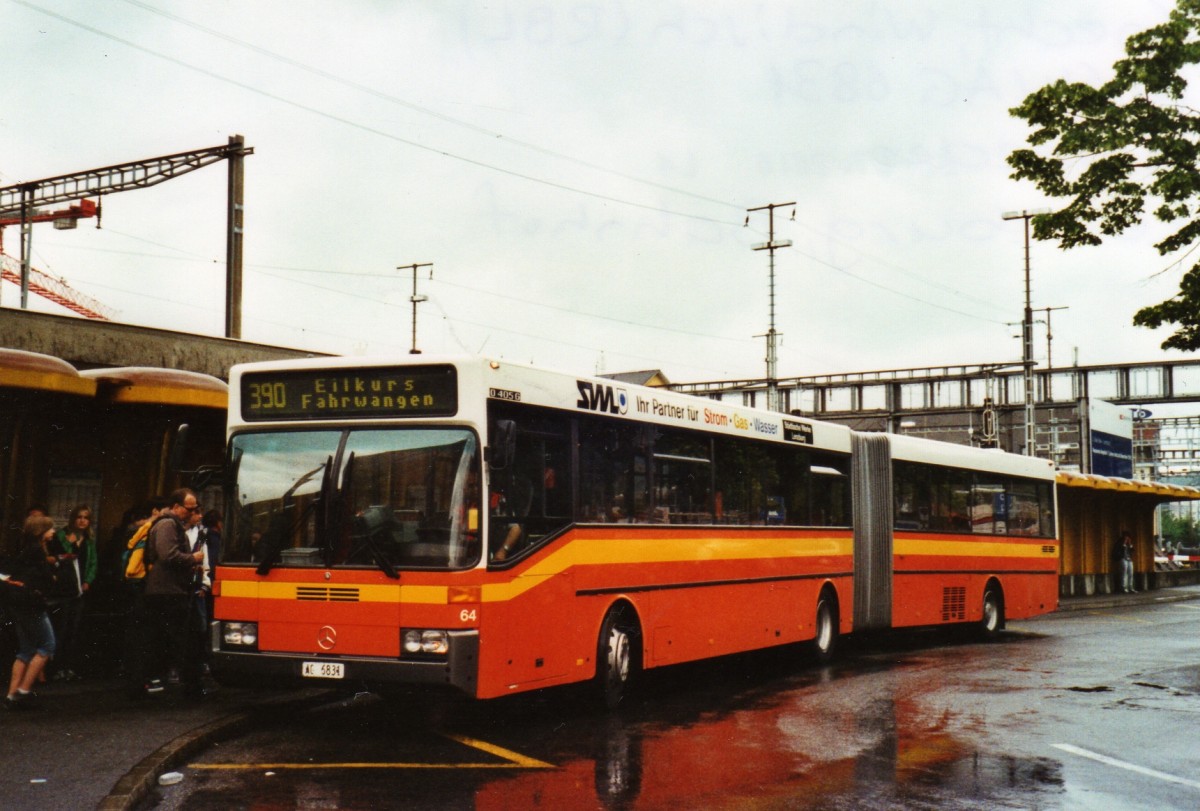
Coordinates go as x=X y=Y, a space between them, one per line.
x=88 y=344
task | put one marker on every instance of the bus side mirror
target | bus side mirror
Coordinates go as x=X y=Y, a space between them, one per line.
x=178 y=449
x=197 y=479
x=503 y=446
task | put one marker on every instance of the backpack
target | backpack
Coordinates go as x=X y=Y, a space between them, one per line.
x=133 y=560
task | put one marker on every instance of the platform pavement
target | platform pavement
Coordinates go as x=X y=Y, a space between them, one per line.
x=86 y=745
x=1098 y=601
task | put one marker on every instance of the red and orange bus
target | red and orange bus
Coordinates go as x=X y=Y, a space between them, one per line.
x=498 y=528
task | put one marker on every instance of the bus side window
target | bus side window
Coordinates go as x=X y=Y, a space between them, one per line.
x=682 y=479
x=613 y=473
x=534 y=482
x=830 y=492
x=913 y=496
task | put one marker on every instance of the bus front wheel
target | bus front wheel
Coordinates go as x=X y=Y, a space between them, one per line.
x=617 y=657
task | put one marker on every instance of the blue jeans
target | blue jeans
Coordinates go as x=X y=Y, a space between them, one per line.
x=1127 y=575
x=35 y=634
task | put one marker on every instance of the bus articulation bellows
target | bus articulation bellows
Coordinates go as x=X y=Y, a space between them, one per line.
x=497 y=528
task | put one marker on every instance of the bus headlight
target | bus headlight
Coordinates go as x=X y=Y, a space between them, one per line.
x=425 y=642
x=239 y=635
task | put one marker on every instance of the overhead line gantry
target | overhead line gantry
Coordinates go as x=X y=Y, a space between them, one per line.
x=19 y=201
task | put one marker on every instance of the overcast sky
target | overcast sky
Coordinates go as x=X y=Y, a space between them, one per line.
x=578 y=173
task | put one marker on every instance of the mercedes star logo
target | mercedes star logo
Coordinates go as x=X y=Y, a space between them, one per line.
x=327 y=637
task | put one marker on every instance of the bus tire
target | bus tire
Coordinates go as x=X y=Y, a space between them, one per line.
x=824 y=644
x=992 y=620
x=617 y=657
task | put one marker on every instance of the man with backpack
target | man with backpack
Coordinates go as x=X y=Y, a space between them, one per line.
x=171 y=566
x=133 y=581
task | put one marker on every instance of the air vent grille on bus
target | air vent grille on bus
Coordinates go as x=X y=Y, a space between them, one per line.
x=954 y=603
x=331 y=594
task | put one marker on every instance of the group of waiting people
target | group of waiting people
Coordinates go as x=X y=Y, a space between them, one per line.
x=168 y=547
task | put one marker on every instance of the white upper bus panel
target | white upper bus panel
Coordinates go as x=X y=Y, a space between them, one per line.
x=480 y=380
x=610 y=398
x=946 y=454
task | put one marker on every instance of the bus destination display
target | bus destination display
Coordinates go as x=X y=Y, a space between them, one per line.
x=312 y=394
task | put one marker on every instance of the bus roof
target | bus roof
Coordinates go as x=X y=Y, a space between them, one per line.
x=930 y=451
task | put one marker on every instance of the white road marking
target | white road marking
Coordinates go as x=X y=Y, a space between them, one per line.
x=1121 y=764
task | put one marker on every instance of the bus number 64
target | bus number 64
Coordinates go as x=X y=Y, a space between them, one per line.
x=468 y=615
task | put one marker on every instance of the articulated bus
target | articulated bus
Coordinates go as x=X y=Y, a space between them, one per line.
x=497 y=528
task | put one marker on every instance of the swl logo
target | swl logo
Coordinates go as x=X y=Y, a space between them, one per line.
x=601 y=397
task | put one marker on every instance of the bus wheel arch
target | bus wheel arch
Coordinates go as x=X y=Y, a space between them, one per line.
x=991 y=620
x=827 y=617
x=618 y=654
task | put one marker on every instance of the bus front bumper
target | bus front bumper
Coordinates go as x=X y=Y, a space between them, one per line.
x=271 y=669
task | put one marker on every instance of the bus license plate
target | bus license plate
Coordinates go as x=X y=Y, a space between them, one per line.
x=323 y=670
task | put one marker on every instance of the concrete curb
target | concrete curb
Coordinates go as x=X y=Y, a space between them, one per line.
x=1120 y=600
x=142 y=778
x=137 y=782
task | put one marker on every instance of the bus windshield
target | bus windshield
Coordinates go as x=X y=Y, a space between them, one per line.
x=385 y=498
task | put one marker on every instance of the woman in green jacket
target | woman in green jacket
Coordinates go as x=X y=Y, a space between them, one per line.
x=74 y=549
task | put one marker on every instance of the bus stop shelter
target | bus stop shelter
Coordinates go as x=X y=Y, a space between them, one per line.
x=1092 y=512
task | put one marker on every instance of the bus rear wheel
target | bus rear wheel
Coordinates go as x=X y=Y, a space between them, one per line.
x=825 y=642
x=617 y=660
x=992 y=621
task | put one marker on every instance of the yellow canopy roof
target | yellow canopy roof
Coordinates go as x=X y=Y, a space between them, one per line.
x=29 y=370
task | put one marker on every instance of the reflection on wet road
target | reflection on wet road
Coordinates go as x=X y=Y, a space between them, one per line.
x=918 y=721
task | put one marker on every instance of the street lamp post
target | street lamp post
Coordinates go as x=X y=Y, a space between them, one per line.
x=1027 y=329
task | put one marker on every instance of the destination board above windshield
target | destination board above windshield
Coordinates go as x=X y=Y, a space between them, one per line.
x=365 y=393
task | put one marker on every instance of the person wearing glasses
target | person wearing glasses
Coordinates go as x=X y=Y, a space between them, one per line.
x=171 y=568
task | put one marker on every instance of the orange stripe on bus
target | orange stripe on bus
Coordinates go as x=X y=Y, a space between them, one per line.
x=990 y=548
x=592 y=549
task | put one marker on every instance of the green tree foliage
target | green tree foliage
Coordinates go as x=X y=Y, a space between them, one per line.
x=1180 y=529
x=1113 y=151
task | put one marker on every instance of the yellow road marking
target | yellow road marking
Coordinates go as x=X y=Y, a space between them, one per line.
x=514 y=760
x=500 y=752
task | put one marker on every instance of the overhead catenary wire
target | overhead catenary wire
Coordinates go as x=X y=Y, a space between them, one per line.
x=367 y=128
x=842 y=268
x=489 y=133
x=452 y=155
x=344 y=274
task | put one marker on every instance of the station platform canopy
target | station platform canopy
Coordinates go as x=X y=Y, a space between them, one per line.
x=147 y=384
x=33 y=371
x=1159 y=491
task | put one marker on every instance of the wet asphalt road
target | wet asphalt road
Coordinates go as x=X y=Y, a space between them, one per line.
x=1086 y=710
